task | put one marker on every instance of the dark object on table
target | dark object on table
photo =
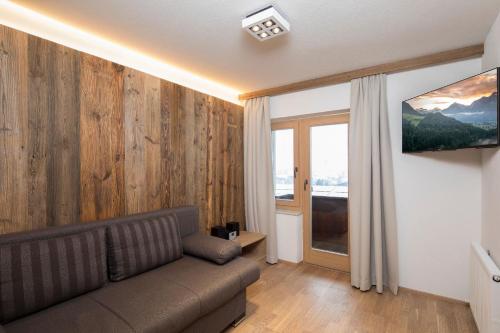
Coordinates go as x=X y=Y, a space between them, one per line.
x=233 y=226
x=219 y=231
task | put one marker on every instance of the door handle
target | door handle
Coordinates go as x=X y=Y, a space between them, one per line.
x=295 y=171
x=305 y=184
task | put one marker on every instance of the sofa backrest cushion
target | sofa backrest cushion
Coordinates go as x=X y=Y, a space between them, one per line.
x=37 y=272
x=138 y=246
x=186 y=216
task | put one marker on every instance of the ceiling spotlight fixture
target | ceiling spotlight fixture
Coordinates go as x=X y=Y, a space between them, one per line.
x=265 y=24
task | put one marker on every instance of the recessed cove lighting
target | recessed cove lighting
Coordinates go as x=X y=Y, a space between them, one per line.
x=265 y=24
x=26 y=20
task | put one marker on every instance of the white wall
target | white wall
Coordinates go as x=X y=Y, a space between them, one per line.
x=438 y=195
x=491 y=161
x=491 y=56
x=323 y=99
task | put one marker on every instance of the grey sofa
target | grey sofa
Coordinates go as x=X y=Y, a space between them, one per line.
x=149 y=272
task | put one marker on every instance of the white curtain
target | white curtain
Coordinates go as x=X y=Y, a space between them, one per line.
x=260 y=206
x=373 y=234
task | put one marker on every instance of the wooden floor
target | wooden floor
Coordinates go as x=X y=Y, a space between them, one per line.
x=307 y=298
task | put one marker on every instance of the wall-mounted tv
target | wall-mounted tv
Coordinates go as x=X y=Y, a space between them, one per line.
x=464 y=114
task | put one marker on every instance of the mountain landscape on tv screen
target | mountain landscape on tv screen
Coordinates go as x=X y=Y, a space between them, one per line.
x=461 y=115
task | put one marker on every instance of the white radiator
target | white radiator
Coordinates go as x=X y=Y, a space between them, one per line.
x=485 y=291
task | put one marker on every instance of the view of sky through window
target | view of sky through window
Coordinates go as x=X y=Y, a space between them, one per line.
x=283 y=163
x=329 y=160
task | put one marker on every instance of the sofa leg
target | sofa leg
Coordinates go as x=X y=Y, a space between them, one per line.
x=239 y=320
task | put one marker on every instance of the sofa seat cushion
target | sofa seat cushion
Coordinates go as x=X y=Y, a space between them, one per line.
x=213 y=284
x=79 y=315
x=150 y=303
x=173 y=296
x=42 y=270
x=141 y=245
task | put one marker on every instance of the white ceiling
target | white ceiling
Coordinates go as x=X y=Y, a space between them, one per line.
x=327 y=36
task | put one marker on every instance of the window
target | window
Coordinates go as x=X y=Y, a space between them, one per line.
x=285 y=167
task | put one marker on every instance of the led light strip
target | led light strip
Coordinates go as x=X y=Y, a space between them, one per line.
x=31 y=22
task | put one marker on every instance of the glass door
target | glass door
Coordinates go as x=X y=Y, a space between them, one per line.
x=325 y=191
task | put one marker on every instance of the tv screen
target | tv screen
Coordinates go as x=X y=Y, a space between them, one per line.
x=461 y=115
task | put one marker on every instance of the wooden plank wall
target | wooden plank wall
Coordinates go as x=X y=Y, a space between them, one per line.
x=82 y=139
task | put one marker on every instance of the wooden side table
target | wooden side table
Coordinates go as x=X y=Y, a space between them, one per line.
x=253 y=245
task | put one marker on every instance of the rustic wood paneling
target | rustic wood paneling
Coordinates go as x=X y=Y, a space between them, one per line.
x=13 y=130
x=82 y=138
x=142 y=141
x=101 y=139
x=40 y=102
x=135 y=159
x=201 y=112
x=63 y=188
x=186 y=109
x=152 y=136
x=211 y=186
x=171 y=173
x=234 y=209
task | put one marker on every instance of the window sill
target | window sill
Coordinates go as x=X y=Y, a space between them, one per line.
x=288 y=212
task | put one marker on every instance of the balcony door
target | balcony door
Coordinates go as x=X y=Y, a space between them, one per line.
x=324 y=164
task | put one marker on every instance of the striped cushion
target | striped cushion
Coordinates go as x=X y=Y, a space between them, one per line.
x=38 y=273
x=138 y=246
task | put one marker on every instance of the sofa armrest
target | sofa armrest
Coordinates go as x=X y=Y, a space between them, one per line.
x=211 y=248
